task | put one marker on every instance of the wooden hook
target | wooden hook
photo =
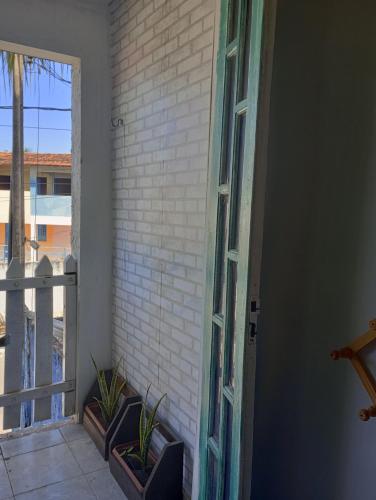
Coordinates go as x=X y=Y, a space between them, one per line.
x=345 y=353
x=372 y=324
x=367 y=413
x=353 y=353
x=117 y=123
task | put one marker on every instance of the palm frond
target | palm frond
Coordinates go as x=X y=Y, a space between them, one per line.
x=127 y=451
x=147 y=425
x=109 y=395
x=33 y=67
x=115 y=389
x=7 y=66
x=137 y=457
x=142 y=424
x=153 y=413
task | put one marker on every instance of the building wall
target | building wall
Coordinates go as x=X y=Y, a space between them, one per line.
x=58 y=236
x=58 y=242
x=4 y=206
x=2 y=234
x=162 y=65
x=3 y=230
x=319 y=267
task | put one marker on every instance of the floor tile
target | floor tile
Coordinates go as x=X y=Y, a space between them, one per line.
x=41 y=468
x=32 y=442
x=72 y=489
x=104 y=485
x=5 y=489
x=71 y=432
x=87 y=455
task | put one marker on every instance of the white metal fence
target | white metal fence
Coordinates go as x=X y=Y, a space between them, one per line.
x=12 y=392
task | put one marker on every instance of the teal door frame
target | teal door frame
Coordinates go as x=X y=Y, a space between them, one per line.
x=233 y=260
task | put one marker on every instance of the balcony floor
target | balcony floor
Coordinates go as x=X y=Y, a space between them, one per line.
x=55 y=464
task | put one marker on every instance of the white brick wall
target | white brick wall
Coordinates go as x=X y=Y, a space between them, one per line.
x=162 y=64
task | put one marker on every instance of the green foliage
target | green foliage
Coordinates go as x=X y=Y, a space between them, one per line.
x=7 y=63
x=147 y=425
x=33 y=66
x=109 y=395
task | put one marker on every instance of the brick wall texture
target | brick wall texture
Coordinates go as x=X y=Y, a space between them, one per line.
x=162 y=68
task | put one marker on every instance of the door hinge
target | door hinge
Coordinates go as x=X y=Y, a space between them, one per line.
x=253 y=317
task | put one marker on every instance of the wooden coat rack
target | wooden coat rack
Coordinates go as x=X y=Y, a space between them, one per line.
x=352 y=352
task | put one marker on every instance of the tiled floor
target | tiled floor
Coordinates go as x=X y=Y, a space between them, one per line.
x=55 y=464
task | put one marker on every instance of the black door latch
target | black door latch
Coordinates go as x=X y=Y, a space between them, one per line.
x=254 y=314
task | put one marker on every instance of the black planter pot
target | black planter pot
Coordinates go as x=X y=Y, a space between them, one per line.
x=165 y=480
x=99 y=431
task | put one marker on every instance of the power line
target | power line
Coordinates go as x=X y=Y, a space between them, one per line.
x=39 y=128
x=41 y=108
x=51 y=70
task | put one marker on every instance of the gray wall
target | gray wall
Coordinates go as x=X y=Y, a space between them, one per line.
x=319 y=265
x=80 y=28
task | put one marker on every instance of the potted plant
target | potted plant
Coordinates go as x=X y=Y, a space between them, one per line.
x=140 y=471
x=104 y=405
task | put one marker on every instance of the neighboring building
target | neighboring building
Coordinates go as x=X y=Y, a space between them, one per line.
x=47 y=204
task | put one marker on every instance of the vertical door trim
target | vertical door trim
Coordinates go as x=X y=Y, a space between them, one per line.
x=256 y=238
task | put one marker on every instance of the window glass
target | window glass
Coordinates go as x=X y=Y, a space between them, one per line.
x=213 y=476
x=221 y=255
x=216 y=374
x=228 y=120
x=42 y=232
x=41 y=185
x=228 y=450
x=237 y=182
x=231 y=321
x=233 y=20
x=62 y=186
x=4 y=182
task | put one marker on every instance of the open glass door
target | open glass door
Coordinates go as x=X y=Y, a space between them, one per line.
x=232 y=299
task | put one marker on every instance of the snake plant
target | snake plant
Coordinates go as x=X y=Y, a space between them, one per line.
x=110 y=394
x=147 y=425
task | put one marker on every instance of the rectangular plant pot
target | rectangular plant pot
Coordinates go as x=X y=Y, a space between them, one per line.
x=93 y=421
x=166 y=477
x=128 y=473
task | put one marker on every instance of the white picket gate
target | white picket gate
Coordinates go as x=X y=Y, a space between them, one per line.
x=43 y=283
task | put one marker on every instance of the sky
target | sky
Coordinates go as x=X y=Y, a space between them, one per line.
x=45 y=91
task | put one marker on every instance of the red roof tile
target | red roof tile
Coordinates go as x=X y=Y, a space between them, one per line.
x=41 y=159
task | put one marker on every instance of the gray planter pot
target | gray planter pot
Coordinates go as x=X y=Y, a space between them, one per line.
x=165 y=481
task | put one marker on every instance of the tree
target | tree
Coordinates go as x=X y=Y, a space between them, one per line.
x=17 y=209
x=14 y=65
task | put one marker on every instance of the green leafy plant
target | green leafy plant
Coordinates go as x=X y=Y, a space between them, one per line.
x=147 y=425
x=110 y=394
